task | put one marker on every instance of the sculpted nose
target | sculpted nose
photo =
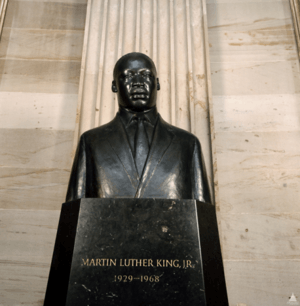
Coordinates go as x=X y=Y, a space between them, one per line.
x=137 y=81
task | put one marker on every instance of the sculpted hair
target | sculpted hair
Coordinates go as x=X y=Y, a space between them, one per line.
x=132 y=55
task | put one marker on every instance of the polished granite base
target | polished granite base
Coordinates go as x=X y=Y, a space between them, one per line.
x=136 y=252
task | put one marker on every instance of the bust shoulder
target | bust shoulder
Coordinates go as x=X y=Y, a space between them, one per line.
x=100 y=131
x=181 y=134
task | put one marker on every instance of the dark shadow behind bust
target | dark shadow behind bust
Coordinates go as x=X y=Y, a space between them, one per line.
x=138 y=154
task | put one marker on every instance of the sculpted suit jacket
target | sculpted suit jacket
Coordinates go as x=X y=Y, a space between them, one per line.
x=104 y=166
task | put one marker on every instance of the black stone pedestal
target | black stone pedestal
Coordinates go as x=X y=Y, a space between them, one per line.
x=137 y=252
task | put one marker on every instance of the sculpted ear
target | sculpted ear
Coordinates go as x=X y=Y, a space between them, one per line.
x=158 y=85
x=114 y=86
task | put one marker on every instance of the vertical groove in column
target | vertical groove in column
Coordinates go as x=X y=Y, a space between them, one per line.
x=121 y=30
x=190 y=68
x=2 y=13
x=295 y=8
x=213 y=164
x=172 y=65
x=82 y=76
x=138 y=26
x=154 y=35
x=120 y=42
x=99 y=105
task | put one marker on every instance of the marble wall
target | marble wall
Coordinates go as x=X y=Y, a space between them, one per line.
x=40 y=59
x=255 y=125
x=256 y=111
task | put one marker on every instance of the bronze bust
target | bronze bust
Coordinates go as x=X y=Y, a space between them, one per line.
x=138 y=154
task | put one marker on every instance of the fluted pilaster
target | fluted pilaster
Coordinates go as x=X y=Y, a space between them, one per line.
x=3 y=6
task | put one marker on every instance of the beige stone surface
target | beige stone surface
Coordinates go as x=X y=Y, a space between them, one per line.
x=33 y=188
x=239 y=1
x=257 y=78
x=47 y=15
x=258 y=171
x=27 y=241
x=261 y=283
x=59 y=1
x=255 y=85
x=26 y=110
x=28 y=236
x=40 y=58
x=249 y=15
x=262 y=190
x=39 y=76
x=257 y=150
x=255 y=45
x=23 y=284
x=41 y=44
x=25 y=148
x=254 y=236
x=257 y=113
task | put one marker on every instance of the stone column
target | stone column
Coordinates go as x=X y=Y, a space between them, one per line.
x=3 y=6
x=174 y=34
x=295 y=7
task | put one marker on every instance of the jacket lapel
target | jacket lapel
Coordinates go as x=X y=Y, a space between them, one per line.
x=161 y=141
x=118 y=140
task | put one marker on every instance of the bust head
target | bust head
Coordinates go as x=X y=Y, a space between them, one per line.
x=135 y=82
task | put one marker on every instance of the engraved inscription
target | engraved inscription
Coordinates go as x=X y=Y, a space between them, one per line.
x=142 y=278
x=131 y=262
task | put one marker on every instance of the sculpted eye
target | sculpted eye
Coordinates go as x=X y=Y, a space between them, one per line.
x=147 y=74
x=128 y=76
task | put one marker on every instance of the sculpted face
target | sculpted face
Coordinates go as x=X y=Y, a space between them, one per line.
x=135 y=82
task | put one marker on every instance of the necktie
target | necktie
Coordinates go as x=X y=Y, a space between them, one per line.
x=141 y=146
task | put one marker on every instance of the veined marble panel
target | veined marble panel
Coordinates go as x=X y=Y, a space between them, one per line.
x=252 y=46
x=41 y=44
x=256 y=191
x=233 y=1
x=39 y=76
x=25 y=110
x=27 y=241
x=260 y=236
x=247 y=16
x=23 y=284
x=257 y=113
x=27 y=237
x=35 y=148
x=254 y=55
x=60 y=1
x=33 y=188
x=257 y=150
x=262 y=282
x=47 y=15
x=255 y=78
x=258 y=171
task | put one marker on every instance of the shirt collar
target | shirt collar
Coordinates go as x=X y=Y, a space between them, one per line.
x=127 y=115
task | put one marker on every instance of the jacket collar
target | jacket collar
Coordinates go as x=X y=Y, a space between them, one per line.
x=162 y=139
x=117 y=138
x=127 y=115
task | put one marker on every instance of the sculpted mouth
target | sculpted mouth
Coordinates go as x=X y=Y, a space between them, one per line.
x=138 y=91
x=139 y=96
